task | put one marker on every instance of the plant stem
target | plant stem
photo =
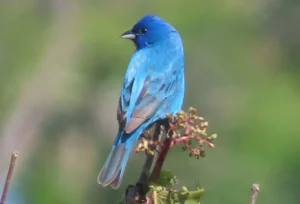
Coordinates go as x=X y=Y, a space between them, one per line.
x=161 y=158
x=13 y=159
x=254 y=193
x=137 y=194
x=179 y=140
x=154 y=197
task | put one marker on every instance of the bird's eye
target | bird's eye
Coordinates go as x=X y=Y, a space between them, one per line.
x=143 y=30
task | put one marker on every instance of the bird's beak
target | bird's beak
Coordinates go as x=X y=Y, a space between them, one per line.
x=128 y=35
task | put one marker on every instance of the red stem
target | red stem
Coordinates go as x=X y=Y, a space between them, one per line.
x=161 y=158
x=179 y=140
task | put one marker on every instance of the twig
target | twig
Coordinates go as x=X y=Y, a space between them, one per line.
x=254 y=193
x=137 y=193
x=161 y=158
x=176 y=141
x=154 y=197
x=13 y=159
x=163 y=151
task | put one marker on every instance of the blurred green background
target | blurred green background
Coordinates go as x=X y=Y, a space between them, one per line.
x=61 y=67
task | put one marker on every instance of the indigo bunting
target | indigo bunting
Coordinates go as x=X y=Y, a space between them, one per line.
x=152 y=88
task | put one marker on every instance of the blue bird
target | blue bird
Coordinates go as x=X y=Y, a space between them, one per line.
x=152 y=88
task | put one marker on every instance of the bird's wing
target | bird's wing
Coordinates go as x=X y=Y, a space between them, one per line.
x=149 y=91
x=126 y=92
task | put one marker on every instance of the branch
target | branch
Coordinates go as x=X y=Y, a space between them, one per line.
x=13 y=159
x=254 y=193
x=137 y=193
x=161 y=158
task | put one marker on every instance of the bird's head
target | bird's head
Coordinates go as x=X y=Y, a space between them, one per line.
x=149 y=30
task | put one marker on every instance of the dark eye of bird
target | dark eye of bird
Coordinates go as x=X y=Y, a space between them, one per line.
x=144 y=30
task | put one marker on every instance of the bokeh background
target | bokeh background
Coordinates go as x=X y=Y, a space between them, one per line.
x=61 y=67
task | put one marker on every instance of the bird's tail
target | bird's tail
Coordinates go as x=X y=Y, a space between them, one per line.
x=114 y=167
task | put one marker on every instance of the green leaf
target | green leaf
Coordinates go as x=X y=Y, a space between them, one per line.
x=168 y=196
x=166 y=179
